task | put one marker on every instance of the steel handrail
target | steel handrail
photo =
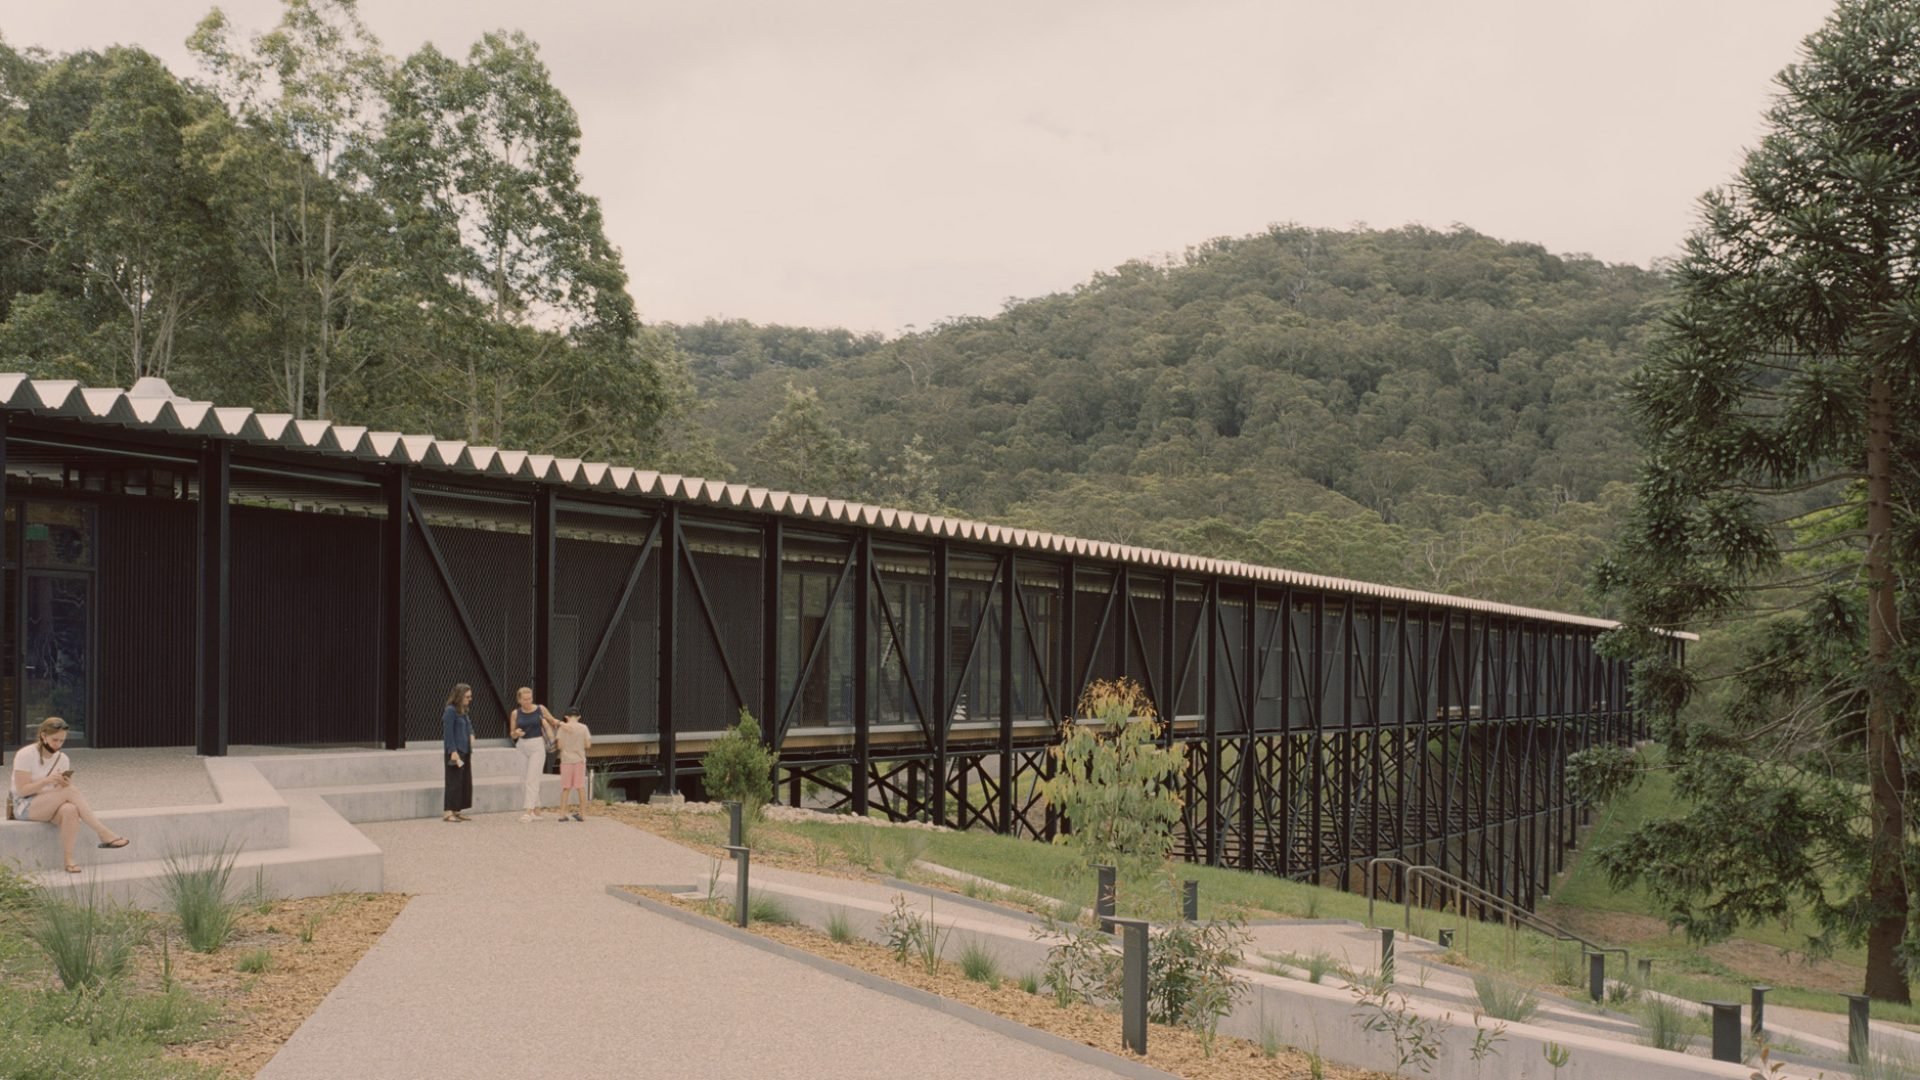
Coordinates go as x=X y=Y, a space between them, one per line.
x=1466 y=890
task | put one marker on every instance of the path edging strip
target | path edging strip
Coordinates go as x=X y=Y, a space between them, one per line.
x=999 y=1025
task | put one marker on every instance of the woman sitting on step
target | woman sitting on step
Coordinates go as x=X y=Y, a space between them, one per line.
x=43 y=790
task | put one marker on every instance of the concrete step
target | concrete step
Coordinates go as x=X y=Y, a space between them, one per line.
x=251 y=815
x=325 y=854
x=357 y=767
x=422 y=799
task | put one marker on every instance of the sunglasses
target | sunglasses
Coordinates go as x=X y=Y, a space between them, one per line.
x=57 y=725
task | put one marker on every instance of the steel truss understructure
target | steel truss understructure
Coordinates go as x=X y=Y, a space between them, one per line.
x=914 y=675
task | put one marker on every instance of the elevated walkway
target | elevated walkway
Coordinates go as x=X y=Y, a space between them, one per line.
x=287 y=819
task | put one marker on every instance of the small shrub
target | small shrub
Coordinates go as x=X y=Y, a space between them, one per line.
x=909 y=845
x=89 y=941
x=1318 y=963
x=738 y=766
x=1665 y=1025
x=902 y=928
x=839 y=926
x=1270 y=1043
x=1116 y=782
x=259 y=895
x=769 y=908
x=1503 y=1000
x=255 y=962
x=1566 y=970
x=1311 y=907
x=978 y=963
x=1030 y=982
x=196 y=886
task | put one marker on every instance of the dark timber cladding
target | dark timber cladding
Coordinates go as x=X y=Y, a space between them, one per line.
x=186 y=575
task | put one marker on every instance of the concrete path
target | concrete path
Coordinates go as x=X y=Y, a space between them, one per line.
x=512 y=962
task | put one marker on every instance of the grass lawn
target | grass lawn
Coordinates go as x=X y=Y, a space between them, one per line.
x=1584 y=901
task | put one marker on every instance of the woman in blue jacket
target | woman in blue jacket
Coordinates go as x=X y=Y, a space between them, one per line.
x=456 y=749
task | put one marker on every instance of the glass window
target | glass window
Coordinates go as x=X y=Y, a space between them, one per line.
x=58 y=535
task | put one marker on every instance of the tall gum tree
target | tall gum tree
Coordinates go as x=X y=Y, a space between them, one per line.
x=1778 y=411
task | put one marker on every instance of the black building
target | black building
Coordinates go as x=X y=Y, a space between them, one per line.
x=178 y=573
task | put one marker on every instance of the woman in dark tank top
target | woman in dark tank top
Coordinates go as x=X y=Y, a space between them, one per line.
x=530 y=725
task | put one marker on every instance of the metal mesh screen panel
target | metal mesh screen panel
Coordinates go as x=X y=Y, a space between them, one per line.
x=305 y=637
x=596 y=555
x=488 y=552
x=728 y=564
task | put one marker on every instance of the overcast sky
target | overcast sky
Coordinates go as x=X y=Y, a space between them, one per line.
x=880 y=164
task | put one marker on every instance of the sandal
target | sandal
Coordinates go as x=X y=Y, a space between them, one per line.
x=72 y=869
x=116 y=842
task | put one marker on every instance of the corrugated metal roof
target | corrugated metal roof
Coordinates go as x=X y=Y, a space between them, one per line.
x=151 y=406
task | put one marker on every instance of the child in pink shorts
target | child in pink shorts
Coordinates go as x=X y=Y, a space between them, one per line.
x=572 y=738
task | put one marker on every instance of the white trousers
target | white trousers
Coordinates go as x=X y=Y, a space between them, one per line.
x=535 y=751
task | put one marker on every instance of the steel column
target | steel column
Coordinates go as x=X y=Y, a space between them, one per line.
x=862 y=674
x=1210 y=612
x=773 y=558
x=942 y=678
x=393 y=608
x=213 y=640
x=545 y=557
x=1011 y=583
x=670 y=541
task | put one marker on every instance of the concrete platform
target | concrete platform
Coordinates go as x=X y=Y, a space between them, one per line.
x=288 y=820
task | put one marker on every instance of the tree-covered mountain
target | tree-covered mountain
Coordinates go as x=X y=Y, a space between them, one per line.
x=1435 y=409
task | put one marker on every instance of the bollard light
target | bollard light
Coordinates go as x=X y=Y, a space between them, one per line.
x=1726 y=1029
x=1597 y=976
x=1446 y=937
x=733 y=823
x=1133 y=983
x=1759 y=1010
x=742 y=858
x=1858 y=1006
x=1190 y=900
x=1386 y=955
x=1646 y=968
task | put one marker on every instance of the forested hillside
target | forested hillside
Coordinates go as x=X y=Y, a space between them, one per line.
x=1435 y=409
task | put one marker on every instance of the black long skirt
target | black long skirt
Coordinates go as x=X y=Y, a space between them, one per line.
x=459 y=784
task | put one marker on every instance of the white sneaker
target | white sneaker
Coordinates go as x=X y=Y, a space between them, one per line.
x=529 y=816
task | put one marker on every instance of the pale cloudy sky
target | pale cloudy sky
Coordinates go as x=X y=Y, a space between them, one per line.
x=885 y=163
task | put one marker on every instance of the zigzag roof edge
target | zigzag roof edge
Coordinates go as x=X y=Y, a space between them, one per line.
x=173 y=415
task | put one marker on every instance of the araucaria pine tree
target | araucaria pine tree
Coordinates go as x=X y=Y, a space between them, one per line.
x=1777 y=512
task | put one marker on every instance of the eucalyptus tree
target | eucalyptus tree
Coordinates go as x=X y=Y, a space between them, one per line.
x=307 y=104
x=478 y=160
x=1782 y=431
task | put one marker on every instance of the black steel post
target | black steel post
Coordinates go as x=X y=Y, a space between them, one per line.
x=545 y=567
x=1317 y=709
x=393 y=609
x=1445 y=664
x=669 y=648
x=1859 y=1009
x=1190 y=900
x=1446 y=937
x=1069 y=649
x=1646 y=969
x=1210 y=614
x=942 y=679
x=1386 y=955
x=1007 y=587
x=1133 y=982
x=862 y=675
x=742 y=896
x=1250 y=757
x=773 y=552
x=733 y=823
x=213 y=641
x=1169 y=708
x=1726 y=1029
x=1597 y=976
x=1760 y=1010
x=1105 y=896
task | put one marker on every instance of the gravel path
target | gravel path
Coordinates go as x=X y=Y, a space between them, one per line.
x=512 y=962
